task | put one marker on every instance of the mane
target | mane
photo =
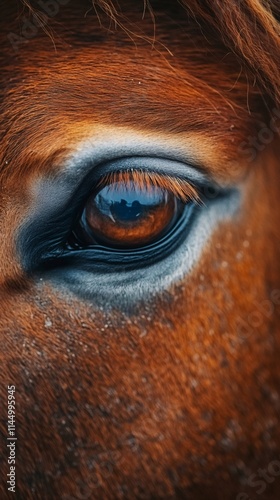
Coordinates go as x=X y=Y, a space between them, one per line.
x=249 y=28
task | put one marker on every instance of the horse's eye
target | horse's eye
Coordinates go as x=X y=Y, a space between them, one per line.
x=127 y=213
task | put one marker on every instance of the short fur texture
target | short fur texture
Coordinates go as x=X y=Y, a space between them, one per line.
x=178 y=398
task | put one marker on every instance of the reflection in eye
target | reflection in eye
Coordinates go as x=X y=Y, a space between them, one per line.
x=131 y=209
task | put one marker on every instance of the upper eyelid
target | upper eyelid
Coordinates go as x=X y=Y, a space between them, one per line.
x=122 y=147
x=91 y=171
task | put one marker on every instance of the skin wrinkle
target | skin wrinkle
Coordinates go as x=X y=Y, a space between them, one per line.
x=177 y=397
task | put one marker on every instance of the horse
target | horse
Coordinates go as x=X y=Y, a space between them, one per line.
x=139 y=254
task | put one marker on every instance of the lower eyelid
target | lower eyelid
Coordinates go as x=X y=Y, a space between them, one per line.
x=125 y=289
x=99 y=258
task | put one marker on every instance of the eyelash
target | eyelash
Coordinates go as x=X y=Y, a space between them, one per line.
x=144 y=179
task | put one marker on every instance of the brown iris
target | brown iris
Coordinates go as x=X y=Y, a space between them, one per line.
x=130 y=210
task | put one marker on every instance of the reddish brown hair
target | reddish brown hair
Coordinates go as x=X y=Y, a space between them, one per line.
x=250 y=29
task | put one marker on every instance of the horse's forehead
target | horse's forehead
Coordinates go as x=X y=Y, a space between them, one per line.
x=80 y=81
x=65 y=99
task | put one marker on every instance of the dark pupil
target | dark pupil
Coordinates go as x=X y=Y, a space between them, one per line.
x=125 y=215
